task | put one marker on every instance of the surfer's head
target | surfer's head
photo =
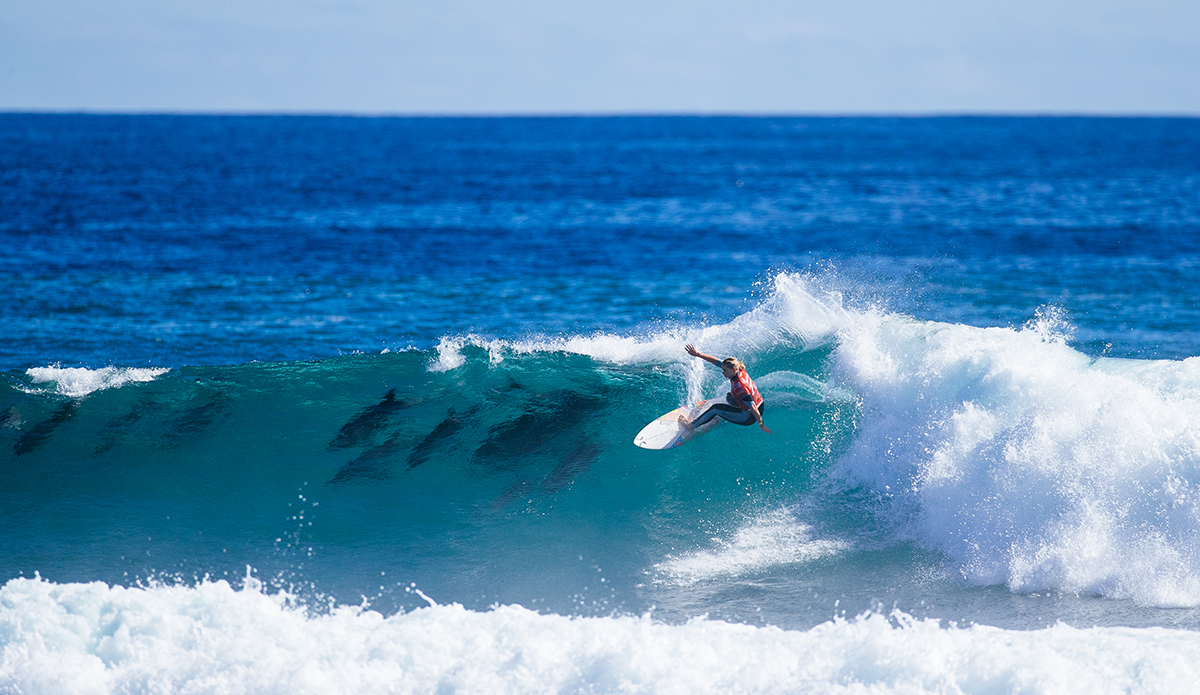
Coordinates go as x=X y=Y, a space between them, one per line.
x=730 y=366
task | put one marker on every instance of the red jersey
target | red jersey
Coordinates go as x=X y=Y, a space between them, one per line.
x=744 y=391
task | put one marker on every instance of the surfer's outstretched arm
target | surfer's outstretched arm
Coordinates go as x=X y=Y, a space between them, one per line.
x=691 y=350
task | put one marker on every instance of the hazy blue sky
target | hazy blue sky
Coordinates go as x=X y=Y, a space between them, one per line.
x=570 y=56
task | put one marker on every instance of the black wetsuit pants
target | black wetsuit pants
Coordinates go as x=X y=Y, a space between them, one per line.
x=728 y=412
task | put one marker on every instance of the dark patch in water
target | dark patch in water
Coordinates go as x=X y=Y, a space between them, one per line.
x=42 y=431
x=372 y=464
x=446 y=428
x=549 y=416
x=362 y=427
x=576 y=463
x=115 y=431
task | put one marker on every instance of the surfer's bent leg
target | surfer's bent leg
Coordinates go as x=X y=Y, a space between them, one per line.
x=727 y=412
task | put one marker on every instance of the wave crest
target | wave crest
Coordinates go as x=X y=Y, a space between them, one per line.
x=77 y=382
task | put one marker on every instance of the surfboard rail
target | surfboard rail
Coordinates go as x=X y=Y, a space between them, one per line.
x=666 y=432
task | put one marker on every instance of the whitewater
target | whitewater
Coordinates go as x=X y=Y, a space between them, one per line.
x=212 y=638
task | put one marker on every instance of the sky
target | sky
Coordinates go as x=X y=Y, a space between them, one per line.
x=610 y=57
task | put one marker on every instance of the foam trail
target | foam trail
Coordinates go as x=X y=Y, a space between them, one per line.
x=772 y=540
x=94 y=639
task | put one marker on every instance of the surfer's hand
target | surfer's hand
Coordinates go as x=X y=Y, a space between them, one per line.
x=763 y=425
x=691 y=350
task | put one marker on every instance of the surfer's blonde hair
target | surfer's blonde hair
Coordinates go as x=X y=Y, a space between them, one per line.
x=733 y=363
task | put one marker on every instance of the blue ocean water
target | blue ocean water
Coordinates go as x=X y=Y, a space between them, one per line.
x=300 y=403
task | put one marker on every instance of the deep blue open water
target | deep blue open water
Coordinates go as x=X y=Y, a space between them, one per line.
x=334 y=404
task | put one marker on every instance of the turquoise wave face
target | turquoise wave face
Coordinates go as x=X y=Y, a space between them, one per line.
x=361 y=474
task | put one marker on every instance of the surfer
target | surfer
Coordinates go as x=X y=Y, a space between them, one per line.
x=745 y=403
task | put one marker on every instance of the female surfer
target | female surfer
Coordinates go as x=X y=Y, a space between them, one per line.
x=745 y=403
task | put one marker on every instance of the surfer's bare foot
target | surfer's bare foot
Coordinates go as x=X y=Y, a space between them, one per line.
x=687 y=424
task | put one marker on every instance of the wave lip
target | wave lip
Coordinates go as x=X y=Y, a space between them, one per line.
x=77 y=382
x=95 y=639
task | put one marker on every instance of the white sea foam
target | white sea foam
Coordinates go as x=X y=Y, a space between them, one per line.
x=450 y=356
x=92 y=639
x=1026 y=462
x=78 y=381
x=449 y=352
x=771 y=540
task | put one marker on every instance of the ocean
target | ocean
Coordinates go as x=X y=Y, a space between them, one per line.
x=307 y=404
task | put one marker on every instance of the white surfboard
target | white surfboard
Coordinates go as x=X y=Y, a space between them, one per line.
x=666 y=432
